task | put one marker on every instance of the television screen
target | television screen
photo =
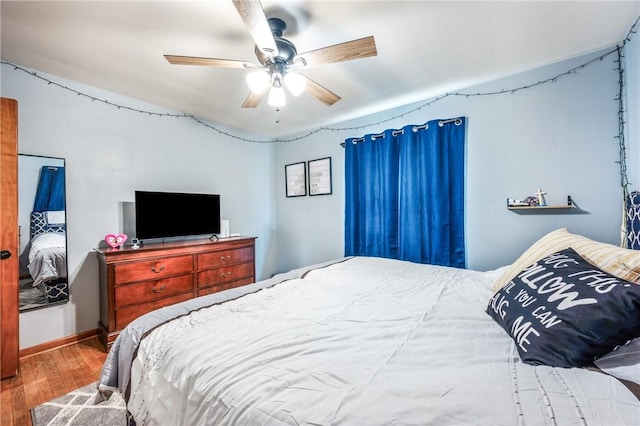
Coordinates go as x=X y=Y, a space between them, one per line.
x=173 y=214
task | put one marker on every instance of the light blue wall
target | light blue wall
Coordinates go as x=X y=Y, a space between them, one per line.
x=557 y=136
x=109 y=154
x=631 y=63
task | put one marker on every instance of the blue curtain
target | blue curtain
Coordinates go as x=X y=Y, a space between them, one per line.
x=50 y=192
x=405 y=194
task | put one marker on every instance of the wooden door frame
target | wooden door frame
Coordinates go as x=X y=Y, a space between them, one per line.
x=9 y=311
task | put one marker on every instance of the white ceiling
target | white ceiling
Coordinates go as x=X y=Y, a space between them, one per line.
x=425 y=48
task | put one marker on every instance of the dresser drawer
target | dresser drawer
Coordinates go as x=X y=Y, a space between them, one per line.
x=225 y=274
x=225 y=286
x=152 y=269
x=125 y=315
x=225 y=257
x=145 y=291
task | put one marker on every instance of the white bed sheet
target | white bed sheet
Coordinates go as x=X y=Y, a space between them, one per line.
x=363 y=342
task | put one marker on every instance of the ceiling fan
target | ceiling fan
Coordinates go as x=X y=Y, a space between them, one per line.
x=278 y=57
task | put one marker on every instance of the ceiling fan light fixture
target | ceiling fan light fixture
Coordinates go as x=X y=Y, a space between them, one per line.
x=276 y=95
x=258 y=81
x=295 y=83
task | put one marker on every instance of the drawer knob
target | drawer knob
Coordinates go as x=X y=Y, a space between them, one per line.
x=157 y=268
x=225 y=258
x=158 y=289
x=225 y=274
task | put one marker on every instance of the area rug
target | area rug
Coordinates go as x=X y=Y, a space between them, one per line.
x=81 y=407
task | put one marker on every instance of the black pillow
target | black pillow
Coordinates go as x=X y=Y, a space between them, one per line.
x=563 y=312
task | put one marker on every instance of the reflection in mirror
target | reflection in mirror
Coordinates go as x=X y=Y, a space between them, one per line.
x=42 y=224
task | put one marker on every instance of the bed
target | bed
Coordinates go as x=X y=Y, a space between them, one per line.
x=48 y=254
x=365 y=341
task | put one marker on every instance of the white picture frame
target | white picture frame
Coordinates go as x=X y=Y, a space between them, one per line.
x=320 y=177
x=295 y=179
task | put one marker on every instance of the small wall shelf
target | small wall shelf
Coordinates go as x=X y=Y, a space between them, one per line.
x=569 y=205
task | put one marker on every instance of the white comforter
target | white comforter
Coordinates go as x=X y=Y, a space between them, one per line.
x=365 y=342
x=47 y=257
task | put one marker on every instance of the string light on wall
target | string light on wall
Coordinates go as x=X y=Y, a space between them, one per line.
x=624 y=179
x=288 y=76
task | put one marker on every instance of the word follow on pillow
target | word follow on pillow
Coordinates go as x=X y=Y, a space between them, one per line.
x=562 y=311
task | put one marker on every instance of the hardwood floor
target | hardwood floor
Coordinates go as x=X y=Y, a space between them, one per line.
x=48 y=375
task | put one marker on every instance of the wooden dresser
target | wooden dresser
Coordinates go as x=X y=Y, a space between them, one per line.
x=134 y=282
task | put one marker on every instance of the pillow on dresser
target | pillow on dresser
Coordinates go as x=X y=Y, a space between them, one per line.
x=623 y=263
x=562 y=311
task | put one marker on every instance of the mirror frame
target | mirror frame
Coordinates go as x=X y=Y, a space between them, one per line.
x=27 y=188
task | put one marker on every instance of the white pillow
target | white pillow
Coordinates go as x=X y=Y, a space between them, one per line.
x=623 y=263
x=55 y=217
x=623 y=362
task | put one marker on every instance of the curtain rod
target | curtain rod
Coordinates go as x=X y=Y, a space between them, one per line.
x=457 y=121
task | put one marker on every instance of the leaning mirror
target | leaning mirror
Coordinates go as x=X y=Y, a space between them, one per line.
x=42 y=225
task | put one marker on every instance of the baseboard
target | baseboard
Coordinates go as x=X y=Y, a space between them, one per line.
x=55 y=344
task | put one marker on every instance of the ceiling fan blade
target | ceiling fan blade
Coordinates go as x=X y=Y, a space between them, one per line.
x=354 y=49
x=254 y=99
x=195 y=60
x=254 y=18
x=321 y=93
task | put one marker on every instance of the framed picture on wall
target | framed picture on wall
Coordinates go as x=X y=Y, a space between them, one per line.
x=296 y=179
x=320 y=176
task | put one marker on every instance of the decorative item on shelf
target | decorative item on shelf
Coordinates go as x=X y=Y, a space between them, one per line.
x=532 y=201
x=531 y=204
x=523 y=202
x=540 y=195
x=115 y=240
x=512 y=202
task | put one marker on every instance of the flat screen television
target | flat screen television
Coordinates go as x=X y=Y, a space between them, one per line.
x=176 y=214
